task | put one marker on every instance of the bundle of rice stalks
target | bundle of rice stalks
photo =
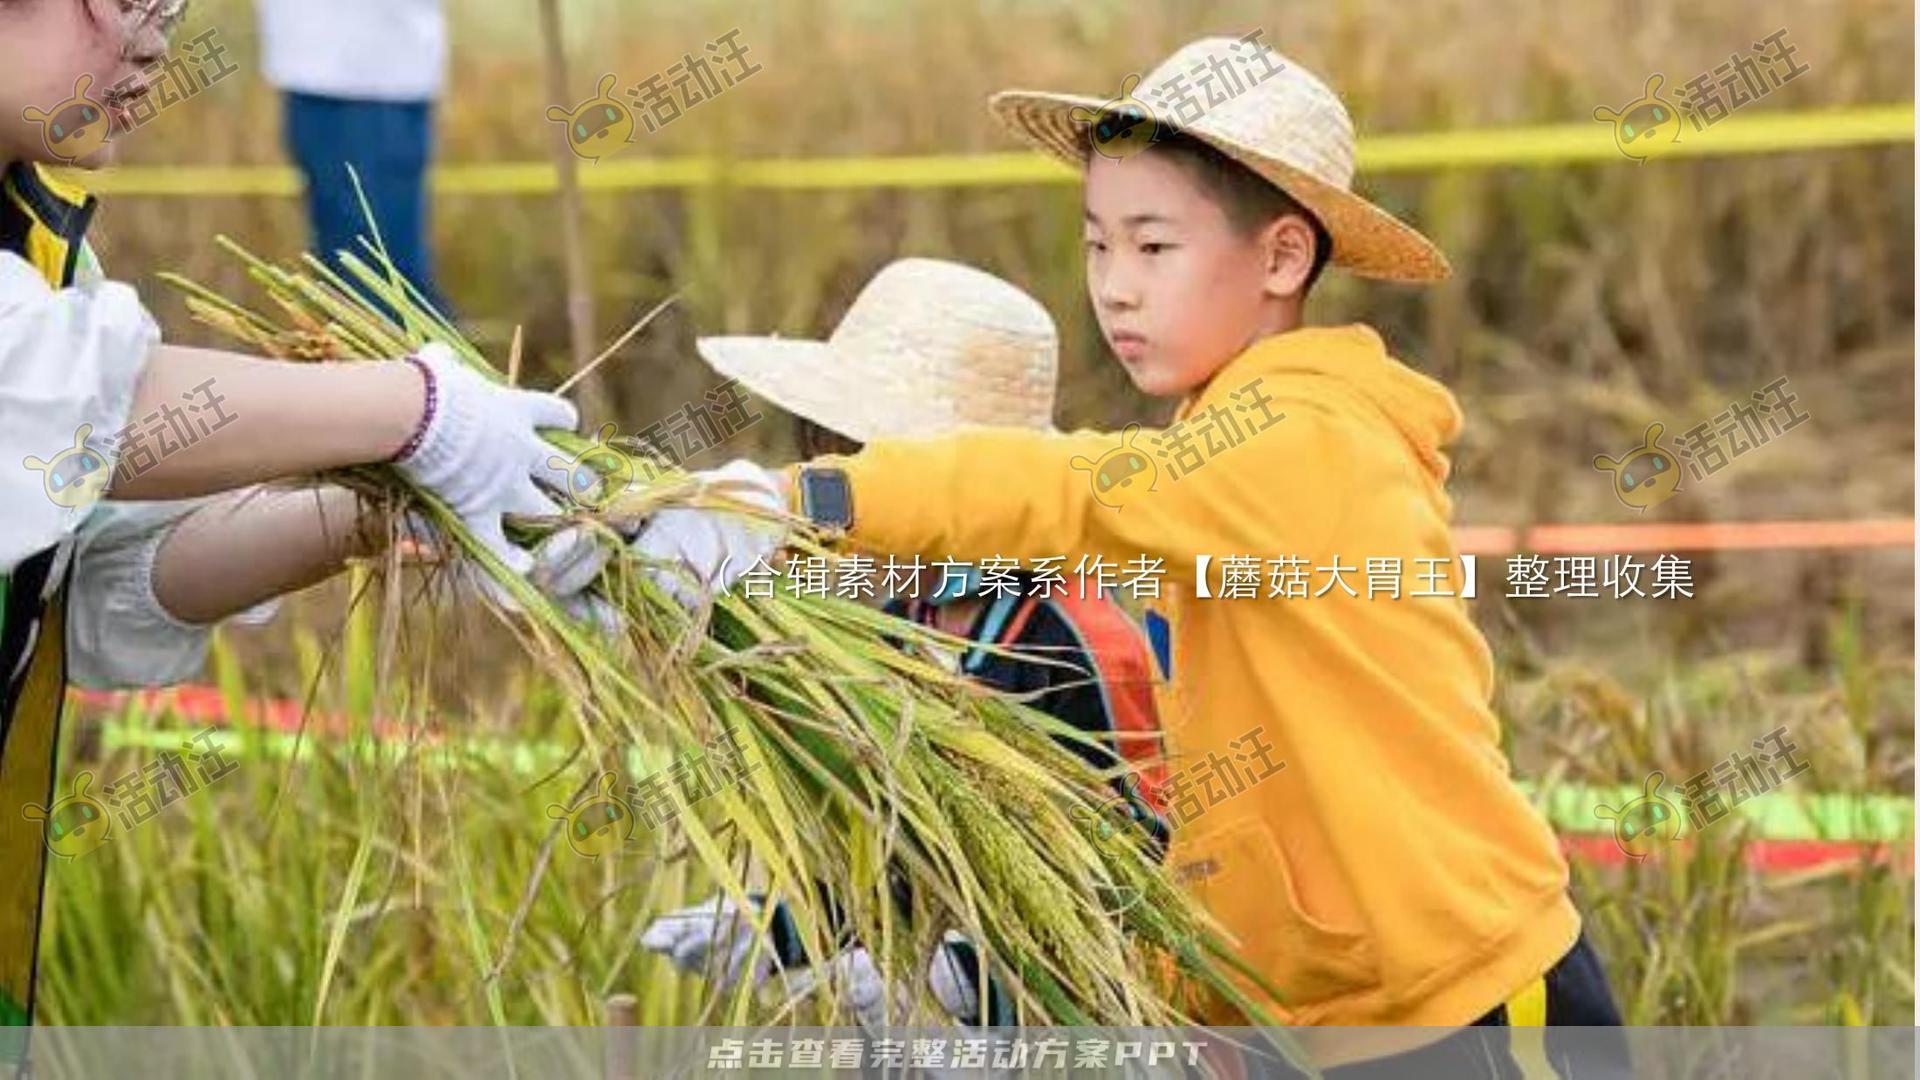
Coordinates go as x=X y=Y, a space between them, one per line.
x=894 y=800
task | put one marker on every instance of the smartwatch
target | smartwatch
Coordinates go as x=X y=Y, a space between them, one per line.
x=826 y=498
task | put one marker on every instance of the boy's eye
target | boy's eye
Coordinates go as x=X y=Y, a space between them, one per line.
x=1155 y=247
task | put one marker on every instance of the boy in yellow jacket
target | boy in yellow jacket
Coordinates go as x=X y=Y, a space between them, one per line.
x=1392 y=874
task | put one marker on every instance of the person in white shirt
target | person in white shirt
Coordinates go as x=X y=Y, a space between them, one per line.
x=113 y=576
x=361 y=79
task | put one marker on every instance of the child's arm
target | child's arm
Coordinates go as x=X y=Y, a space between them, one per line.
x=151 y=580
x=81 y=362
x=245 y=549
x=273 y=420
x=1017 y=493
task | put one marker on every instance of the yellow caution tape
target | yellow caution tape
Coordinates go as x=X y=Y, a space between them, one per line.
x=1759 y=132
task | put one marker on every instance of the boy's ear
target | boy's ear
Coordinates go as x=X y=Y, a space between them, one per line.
x=1289 y=243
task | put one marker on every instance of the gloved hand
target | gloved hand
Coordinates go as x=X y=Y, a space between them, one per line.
x=482 y=449
x=954 y=979
x=856 y=979
x=714 y=939
x=951 y=976
x=717 y=546
x=564 y=565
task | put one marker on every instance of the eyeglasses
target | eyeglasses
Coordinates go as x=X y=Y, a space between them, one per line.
x=165 y=13
x=142 y=17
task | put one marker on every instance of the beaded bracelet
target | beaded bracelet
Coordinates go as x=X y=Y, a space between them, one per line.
x=412 y=445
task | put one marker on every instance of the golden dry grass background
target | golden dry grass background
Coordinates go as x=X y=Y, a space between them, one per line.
x=1589 y=300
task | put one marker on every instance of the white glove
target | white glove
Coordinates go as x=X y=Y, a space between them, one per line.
x=482 y=450
x=951 y=977
x=564 y=565
x=716 y=932
x=954 y=979
x=717 y=545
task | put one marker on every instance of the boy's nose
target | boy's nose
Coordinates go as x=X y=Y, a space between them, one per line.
x=1116 y=292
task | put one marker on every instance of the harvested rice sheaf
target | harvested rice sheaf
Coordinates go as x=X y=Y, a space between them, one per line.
x=895 y=800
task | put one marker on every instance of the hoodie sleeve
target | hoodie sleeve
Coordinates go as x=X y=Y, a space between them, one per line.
x=1026 y=495
x=68 y=358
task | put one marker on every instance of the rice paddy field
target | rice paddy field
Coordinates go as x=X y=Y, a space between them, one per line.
x=394 y=863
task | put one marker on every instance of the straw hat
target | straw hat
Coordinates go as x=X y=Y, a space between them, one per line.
x=928 y=346
x=1283 y=124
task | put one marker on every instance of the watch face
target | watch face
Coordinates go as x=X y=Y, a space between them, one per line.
x=828 y=498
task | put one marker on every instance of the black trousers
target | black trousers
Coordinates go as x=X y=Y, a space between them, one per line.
x=1578 y=996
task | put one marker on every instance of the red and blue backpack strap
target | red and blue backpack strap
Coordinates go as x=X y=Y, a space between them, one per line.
x=1123 y=668
x=1122 y=672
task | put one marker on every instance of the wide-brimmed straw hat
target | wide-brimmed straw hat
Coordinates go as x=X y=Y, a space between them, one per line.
x=1266 y=112
x=927 y=347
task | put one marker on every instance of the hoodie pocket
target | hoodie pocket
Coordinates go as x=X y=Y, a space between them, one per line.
x=1241 y=875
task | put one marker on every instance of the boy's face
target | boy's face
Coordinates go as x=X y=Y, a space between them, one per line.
x=46 y=45
x=1178 y=290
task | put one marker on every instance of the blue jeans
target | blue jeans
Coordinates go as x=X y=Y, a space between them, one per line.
x=390 y=145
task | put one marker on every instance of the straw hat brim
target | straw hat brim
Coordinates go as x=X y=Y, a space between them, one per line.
x=1367 y=240
x=860 y=397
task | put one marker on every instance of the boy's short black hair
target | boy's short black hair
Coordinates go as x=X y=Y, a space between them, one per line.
x=817 y=440
x=1249 y=199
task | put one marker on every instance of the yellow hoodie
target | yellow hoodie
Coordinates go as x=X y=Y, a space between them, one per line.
x=1391 y=873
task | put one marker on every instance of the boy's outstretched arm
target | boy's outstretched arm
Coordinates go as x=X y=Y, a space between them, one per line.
x=1026 y=495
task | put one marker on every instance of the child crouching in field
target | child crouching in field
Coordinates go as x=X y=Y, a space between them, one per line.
x=1393 y=874
x=928 y=347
